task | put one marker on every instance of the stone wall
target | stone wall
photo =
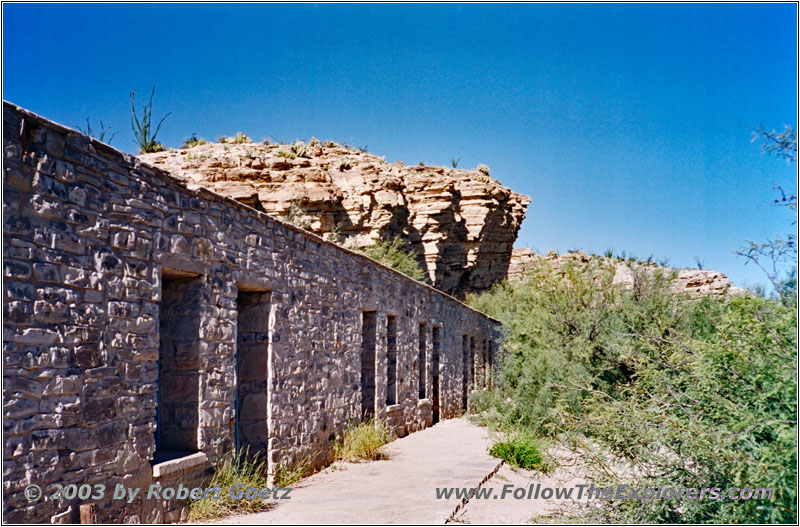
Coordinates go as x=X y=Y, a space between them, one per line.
x=149 y=326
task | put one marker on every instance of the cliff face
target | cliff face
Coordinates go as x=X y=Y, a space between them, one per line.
x=693 y=282
x=462 y=224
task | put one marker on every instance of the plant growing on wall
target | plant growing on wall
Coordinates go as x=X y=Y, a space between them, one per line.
x=143 y=129
x=105 y=135
x=395 y=255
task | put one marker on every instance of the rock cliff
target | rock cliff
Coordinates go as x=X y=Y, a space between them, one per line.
x=462 y=224
x=693 y=282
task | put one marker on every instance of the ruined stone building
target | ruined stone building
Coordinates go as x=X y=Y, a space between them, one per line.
x=151 y=327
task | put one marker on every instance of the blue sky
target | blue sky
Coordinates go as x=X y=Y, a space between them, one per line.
x=628 y=125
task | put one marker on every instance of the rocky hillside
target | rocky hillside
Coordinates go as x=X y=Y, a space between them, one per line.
x=462 y=224
x=693 y=282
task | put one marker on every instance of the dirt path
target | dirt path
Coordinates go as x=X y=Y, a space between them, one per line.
x=402 y=489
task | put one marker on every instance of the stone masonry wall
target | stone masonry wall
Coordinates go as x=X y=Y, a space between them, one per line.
x=141 y=314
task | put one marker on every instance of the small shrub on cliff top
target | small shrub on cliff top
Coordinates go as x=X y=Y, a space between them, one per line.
x=193 y=142
x=286 y=154
x=300 y=149
x=239 y=138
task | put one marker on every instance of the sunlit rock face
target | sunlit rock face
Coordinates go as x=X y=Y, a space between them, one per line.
x=462 y=224
x=693 y=282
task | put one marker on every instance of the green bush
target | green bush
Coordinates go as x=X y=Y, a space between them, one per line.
x=521 y=450
x=394 y=254
x=687 y=393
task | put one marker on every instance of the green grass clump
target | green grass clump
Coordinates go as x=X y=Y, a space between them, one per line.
x=242 y=469
x=289 y=473
x=394 y=254
x=287 y=154
x=520 y=450
x=362 y=442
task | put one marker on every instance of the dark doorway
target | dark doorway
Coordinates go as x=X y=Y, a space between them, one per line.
x=422 y=360
x=368 y=326
x=252 y=359
x=435 y=338
x=465 y=361
x=178 y=394
x=392 y=385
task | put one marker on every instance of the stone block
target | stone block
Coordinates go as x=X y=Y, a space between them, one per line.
x=86 y=356
x=110 y=433
x=97 y=409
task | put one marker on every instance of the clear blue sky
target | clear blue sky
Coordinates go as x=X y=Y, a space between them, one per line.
x=628 y=125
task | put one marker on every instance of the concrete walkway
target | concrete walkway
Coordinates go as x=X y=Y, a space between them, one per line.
x=401 y=489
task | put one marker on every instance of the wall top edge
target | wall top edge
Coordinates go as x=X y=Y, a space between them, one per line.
x=135 y=163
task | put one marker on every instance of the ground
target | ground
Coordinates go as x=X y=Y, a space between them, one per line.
x=402 y=488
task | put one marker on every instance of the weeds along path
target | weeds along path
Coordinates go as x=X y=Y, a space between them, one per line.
x=400 y=489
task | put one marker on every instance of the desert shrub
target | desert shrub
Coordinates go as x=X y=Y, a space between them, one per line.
x=241 y=469
x=520 y=449
x=395 y=255
x=287 y=154
x=686 y=393
x=239 y=138
x=553 y=328
x=297 y=215
x=335 y=235
x=362 y=441
x=712 y=405
x=193 y=141
x=300 y=149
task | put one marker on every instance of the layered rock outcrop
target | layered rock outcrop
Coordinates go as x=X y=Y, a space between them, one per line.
x=692 y=282
x=462 y=224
